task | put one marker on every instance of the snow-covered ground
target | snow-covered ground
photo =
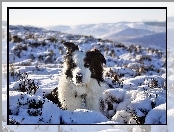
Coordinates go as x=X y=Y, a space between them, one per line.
x=136 y=76
x=139 y=93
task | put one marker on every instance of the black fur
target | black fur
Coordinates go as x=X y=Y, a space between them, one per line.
x=70 y=65
x=71 y=47
x=94 y=61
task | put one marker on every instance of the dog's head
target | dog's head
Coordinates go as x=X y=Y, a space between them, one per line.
x=80 y=67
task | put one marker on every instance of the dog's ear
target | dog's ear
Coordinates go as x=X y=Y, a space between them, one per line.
x=102 y=58
x=97 y=55
x=94 y=60
x=70 y=47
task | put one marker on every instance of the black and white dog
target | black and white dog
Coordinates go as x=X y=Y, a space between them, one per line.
x=81 y=84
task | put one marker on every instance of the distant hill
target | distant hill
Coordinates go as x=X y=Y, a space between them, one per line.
x=132 y=32
x=162 y=24
x=104 y=29
x=151 y=33
x=142 y=33
x=154 y=40
x=59 y=28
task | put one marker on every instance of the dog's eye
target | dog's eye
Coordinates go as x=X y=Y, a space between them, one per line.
x=86 y=64
x=73 y=65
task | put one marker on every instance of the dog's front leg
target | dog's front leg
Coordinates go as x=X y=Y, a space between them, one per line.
x=83 y=99
x=83 y=106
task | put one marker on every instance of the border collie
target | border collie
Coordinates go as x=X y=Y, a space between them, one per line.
x=81 y=84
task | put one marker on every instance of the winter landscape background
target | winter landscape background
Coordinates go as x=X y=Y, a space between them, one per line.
x=46 y=74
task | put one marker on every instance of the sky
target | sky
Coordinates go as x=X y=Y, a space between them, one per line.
x=45 y=17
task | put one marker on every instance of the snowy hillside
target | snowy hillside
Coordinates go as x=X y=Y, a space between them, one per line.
x=136 y=77
x=119 y=32
x=156 y=40
x=132 y=32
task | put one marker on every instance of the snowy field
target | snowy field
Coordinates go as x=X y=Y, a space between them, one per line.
x=136 y=76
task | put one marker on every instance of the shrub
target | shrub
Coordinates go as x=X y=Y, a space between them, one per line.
x=18 y=48
x=53 y=39
x=13 y=121
x=26 y=84
x=16 y=39
x=13 y=73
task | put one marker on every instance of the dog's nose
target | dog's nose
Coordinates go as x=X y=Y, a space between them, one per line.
x=79 y=77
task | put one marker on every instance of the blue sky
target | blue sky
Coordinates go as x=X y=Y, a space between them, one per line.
x=47 y=17
x=75 y=17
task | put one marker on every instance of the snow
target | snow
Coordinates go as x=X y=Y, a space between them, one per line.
x=82 y=116
x=118 y=93
x=157 y=115
x=132 y=94
x=135 y=96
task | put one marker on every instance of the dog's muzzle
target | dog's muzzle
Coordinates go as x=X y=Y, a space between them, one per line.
x=79 y=77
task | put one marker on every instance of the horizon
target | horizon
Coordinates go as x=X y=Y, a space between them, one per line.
x=74 y=17
x=86 y=23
